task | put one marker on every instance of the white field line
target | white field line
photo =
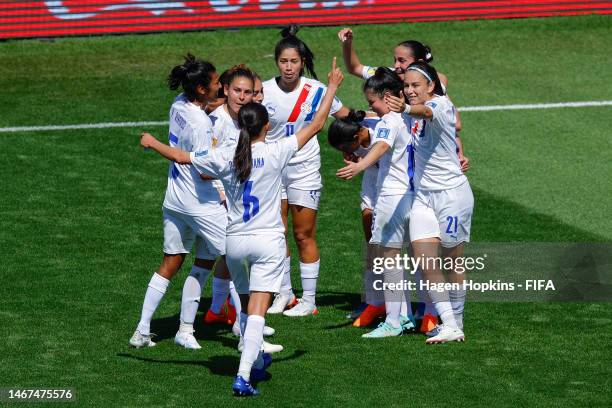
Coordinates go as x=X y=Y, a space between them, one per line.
x=165 y=123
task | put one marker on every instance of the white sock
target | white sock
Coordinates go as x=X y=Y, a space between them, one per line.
x=393 y=298
x=286 y=288
x=253 y=339
x=192 y=291
x=443 y=307
x=235 y=298
x=457 y=299
x=242 y=321
x=407 y=303
x=155 y=292
x=221 y=291
x=423 y=295
x=309 y=273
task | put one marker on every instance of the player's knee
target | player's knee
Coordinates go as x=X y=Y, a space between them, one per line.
x=304 y=238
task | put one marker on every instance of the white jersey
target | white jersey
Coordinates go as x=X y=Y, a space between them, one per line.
x=437 y=162
x=291 y=111
x=190 y=130
x=225 y=129
x=371 y=172
x=396 y=165
x=254 y=206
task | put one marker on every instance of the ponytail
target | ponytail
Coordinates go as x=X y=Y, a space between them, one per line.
x=420 y=51
x=290 y=40
x=252 y=117
x=342 y=131
x=191 y=74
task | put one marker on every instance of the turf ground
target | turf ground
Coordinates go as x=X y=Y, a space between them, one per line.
x=81 y=224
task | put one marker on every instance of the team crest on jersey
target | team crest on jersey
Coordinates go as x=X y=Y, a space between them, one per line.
x=271 y=110
x=383 y=133
x=306 y=108
x=371 y=71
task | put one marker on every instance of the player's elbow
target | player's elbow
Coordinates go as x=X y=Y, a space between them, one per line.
x=182 y=158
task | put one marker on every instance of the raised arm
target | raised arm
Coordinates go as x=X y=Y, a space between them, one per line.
x=352 y=169
x=179 y=156
x=334 y=79
x=351 y=61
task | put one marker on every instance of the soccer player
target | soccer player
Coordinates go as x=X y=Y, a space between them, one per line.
x=251 y=175
x=404 y=54
x=238 y=90
x=191 y=207
x=392 y=149
x=258 y=92
x=353 y=136
x=292 y=101
x=443 y=205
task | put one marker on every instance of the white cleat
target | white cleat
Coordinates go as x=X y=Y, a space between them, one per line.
x=302 y=309
x=445 y=335
x=139 y=340
x=267 y=331
x=265 y=347
x=282 y=302
x=187 y=340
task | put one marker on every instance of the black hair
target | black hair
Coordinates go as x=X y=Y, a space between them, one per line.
x=431 y=72
x=420 y=51
x=384 y=80
x=342 y=131
x=252 y=117
x=236 y=71
x=290 y=40
x=191 y=74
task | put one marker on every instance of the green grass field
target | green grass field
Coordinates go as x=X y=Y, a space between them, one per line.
x=81 y=224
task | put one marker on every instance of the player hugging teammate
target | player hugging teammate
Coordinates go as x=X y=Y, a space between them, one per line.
x=237 y=172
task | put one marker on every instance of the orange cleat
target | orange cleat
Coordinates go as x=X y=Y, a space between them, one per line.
x=216 y=318
x=428 y=323
x=369 y=315
x=231 y=312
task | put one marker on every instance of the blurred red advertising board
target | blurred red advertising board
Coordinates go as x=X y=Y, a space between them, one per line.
x=27 y=19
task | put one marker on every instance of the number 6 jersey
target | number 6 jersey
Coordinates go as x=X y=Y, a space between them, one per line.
x=253 y=206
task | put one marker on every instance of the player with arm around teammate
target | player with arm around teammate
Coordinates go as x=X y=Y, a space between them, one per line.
x=353 y=136
x=392 y=149
x=404 y=54
x=251 y=175
x=442 y=212
x=191 y=208
x=292 y=101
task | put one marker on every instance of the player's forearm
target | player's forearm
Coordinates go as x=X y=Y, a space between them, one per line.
x=419 y=111
x=459 y=144
x=377 y=151
x=171 y=153
x=351 y=60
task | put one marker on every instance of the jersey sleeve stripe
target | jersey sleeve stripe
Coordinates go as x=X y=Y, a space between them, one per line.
x=298 y=104
x=315 y=104
x=173 y=138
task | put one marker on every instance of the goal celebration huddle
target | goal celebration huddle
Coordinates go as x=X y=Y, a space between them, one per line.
x=244 y=155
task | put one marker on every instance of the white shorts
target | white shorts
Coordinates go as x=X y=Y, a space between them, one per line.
x=390 y=224
x=444 y=214
x=256 y=262
x=368 y=189
x=207 y=231
x=302 y=183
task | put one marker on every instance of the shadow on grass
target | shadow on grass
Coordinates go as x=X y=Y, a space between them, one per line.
x=225 y=366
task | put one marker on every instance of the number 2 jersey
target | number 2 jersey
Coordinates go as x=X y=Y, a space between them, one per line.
x=291 y=111
x=190 y=130
x=254 y=206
